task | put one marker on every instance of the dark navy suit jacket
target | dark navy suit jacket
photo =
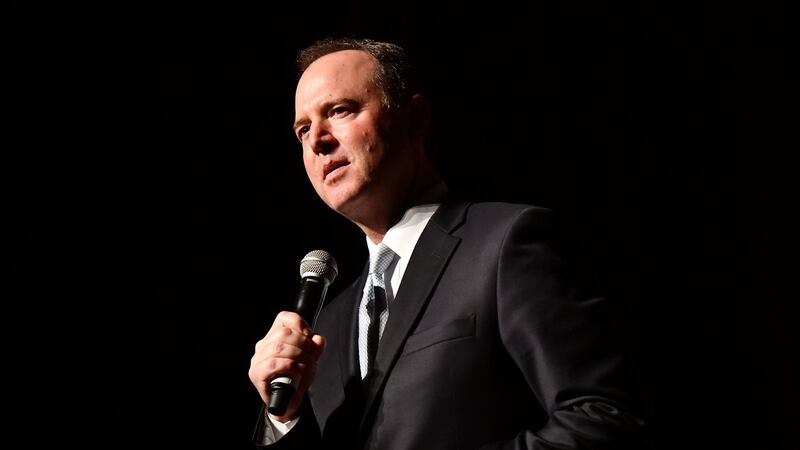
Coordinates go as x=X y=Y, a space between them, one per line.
x=490 y=344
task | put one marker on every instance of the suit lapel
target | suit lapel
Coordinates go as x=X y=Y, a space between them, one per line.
x=348 y=329
x=427 y=262
x=340 y=323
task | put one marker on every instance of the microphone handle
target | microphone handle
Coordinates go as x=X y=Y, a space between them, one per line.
x=310 y=297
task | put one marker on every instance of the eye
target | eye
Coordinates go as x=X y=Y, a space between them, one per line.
x=301 y=132
x=339 y=111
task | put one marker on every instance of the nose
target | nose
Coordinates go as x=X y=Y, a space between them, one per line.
x=320 y=139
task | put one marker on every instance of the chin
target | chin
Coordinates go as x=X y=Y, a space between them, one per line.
x=339 y=201
x=347 y=204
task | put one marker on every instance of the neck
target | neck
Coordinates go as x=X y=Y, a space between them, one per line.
x=376 y=226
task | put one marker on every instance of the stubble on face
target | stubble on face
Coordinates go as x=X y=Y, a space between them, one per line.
x=345 y=151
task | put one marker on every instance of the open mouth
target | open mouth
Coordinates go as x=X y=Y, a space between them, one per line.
x=332 y=166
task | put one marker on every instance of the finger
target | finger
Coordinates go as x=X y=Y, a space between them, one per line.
x=284 y=335
x=267 y=369
x=299 y=347
x=320 y=343
x=280 y=349
x=288 y=319
x=305 y=350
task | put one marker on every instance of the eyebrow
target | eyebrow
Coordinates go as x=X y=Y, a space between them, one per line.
x=299 y=122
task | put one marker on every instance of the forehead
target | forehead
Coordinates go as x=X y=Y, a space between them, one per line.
x=342 y=73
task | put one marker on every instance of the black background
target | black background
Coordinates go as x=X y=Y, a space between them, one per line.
x=159 y=207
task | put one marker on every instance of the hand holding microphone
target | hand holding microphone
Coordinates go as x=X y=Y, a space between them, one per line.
x=284 y=362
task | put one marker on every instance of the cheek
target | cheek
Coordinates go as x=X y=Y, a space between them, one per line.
x=308 y=162
x=309 y=165
x=357 y=136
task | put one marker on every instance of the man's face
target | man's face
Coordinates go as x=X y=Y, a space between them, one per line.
x=353 y=149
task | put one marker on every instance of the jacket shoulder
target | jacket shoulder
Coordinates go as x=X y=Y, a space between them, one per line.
x=501 y=215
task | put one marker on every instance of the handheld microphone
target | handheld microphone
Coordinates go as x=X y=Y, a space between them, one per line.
x=317 y=271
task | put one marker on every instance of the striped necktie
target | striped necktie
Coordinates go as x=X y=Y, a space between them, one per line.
x=374 y=307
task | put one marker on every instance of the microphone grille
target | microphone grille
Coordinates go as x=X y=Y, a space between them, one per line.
x=319 y=263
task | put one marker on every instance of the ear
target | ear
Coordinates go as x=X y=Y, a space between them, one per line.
x=419 y=118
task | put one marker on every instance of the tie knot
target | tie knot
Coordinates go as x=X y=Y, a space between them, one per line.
x=380 y=259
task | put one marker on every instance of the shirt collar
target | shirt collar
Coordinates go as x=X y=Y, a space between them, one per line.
x=402 y=237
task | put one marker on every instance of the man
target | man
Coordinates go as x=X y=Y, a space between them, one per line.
x=471 y=334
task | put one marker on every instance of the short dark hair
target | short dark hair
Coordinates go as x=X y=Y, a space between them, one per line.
x=394 y=76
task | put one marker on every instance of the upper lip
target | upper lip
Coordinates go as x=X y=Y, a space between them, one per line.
x=332 y=165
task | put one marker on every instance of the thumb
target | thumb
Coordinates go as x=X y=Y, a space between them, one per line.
x=319 y=341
